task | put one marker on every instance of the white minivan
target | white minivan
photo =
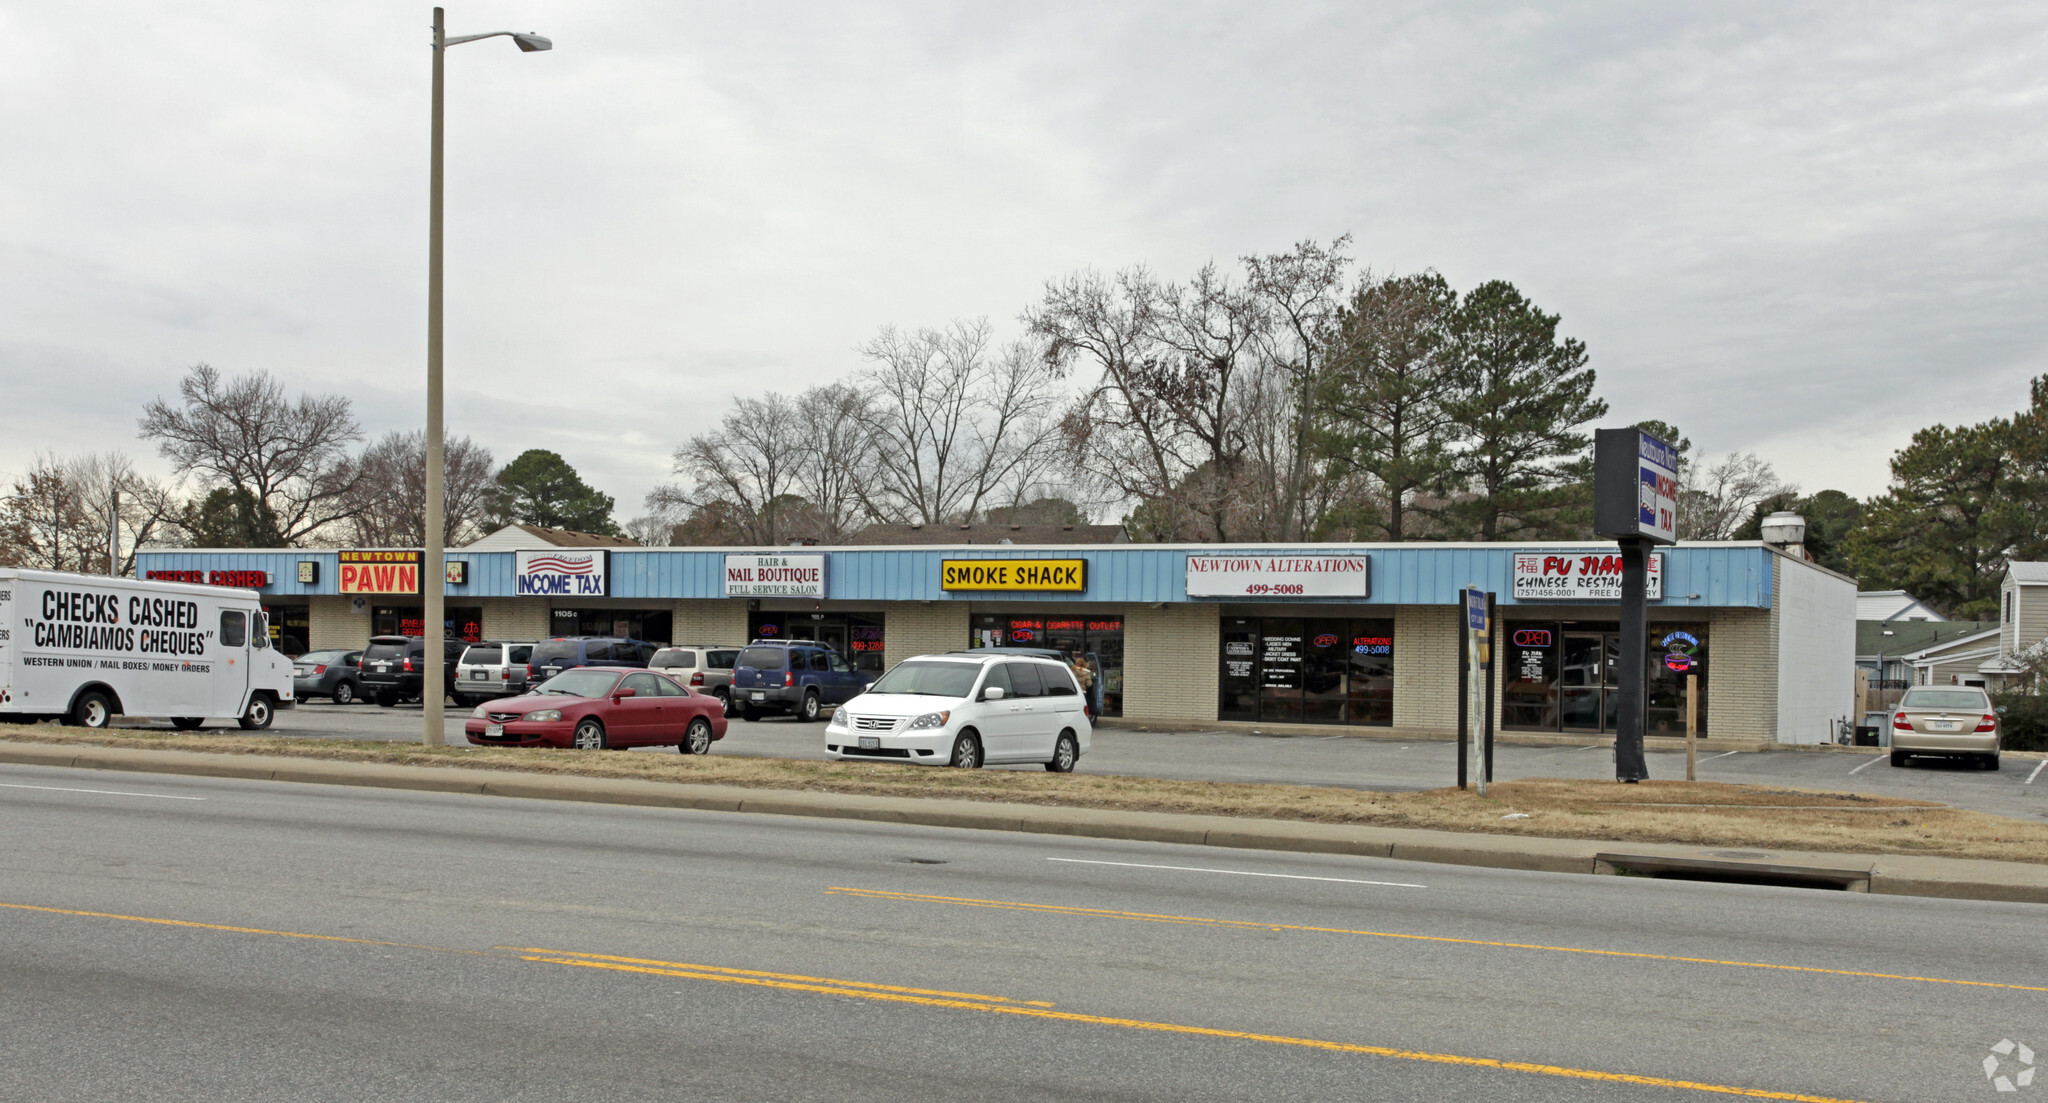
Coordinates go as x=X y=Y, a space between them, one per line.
x=965 y=710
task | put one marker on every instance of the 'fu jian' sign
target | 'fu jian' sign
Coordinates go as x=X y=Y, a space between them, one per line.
x=1577 y=576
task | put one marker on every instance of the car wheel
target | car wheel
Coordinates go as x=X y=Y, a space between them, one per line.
x=1898 y=758
x=188 y=723
x=1991 y=762
x=259 y=716
x=966 y=752
x=589 y=736
x=387 y=700
x=750 y=714
x=808 y=711
x=696 y=737
x=1064 y=754
x=92 y=710
x=725 y=702
x=345 y=693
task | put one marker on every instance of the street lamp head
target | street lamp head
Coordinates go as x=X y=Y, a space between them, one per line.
x=530 y=42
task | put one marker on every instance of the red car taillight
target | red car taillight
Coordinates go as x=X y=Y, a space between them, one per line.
x=1988 y=724
x=789 y=677
x=505 y=674
x=408 y=666
x=321 y=669
x=697 y=679
x=1900 y=723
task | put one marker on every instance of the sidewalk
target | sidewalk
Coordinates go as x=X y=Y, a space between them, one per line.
x=1904 y=875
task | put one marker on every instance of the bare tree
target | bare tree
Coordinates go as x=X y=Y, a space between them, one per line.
x=1299 y=292
x=243 y=433
x=58 y=515
x=836 y=457
x=951 y=423
x=1717 y=499
x=389 y=506
x=746 y=471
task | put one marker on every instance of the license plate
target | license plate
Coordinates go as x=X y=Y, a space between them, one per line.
x=870 y=743
x=1942 y=725
x=494 y=729
x=479 y=674
x=759 y=696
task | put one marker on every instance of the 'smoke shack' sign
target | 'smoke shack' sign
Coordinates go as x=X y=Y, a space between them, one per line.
x=1279 y=576
x=379 y=572
x=1060 y=575
x=1577 y=576
x=775 y=576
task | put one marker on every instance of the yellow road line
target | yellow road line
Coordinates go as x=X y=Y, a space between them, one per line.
x=858 y=990
x=927 y=997
x=1249 y=925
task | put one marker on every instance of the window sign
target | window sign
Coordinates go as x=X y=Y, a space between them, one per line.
x=1279 y=576
x=748 y=575
x=559 y=572
x=1578 y=576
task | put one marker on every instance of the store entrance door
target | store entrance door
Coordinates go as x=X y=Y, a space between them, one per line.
x=1589 y=696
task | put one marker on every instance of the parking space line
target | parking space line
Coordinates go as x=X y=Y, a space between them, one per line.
x=1723 y=754
x=1873 y=761
x=2037 y=771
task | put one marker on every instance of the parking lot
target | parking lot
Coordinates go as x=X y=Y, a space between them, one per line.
x=1340 y=760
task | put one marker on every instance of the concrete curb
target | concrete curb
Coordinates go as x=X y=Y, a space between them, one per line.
x=1899 y=875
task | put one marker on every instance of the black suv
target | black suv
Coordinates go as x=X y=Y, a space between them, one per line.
x=393 y=666
x=551 y=657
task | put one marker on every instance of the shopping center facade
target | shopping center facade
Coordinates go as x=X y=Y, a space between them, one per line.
x=1364 y=635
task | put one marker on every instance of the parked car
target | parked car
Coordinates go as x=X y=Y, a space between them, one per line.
x=494 y=668
x=394 y=667
x=551 y=657
x=1950 y=721
x=331 y=674
x=595 y=708
x=965 y=710
x=797 y=677
x=707 y=669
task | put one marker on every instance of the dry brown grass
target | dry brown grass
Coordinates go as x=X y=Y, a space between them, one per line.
x=1691 y=813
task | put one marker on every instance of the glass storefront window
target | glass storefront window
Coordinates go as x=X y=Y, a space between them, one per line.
x=463 y=622
x=290 y=628
x=1307 y=670
x=1096 y=637
x=858 y=636
x=649 y=625
x=1565 y=676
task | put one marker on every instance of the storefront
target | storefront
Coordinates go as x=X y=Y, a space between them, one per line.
x=1354 y=637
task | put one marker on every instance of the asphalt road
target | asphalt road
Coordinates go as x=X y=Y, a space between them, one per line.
x=174 y=938
x=1344 y=760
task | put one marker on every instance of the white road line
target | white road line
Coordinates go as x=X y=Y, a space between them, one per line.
x=1709 y=758
x=1241 y=873
x=2037 y=771
x=102 y=792
x=1873 y=761
x=1595 y=746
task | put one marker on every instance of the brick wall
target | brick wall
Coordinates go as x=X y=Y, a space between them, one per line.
x=709 y=621
x=329 y=624
x=910 y=630
x=1742 y=682
x=1426 y=642
x=508 y=618
x=1171 y=663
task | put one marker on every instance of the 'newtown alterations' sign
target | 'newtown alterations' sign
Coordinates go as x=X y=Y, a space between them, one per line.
x=1279 y=576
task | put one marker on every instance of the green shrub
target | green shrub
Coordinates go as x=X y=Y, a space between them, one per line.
x=2023 y=723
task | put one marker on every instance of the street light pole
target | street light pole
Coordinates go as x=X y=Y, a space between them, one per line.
x=433 y=570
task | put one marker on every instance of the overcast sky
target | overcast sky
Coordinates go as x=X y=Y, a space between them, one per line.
x=1804 y=230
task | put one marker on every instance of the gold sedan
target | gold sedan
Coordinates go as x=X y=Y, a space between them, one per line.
x=1952 y=721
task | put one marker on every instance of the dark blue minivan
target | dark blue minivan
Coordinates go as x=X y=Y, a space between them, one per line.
x=797 y=677
x=551 y=657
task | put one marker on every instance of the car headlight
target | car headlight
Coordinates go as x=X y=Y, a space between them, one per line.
x=477 y=713
x=929 y=720
x=543 y=715
x=838 y=719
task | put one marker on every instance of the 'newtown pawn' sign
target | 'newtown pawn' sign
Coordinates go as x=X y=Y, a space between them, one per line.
x=559 y=572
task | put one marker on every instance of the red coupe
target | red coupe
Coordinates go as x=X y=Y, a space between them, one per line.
x=595 y=708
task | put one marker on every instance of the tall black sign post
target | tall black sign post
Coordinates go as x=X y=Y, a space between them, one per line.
x=1635 y=502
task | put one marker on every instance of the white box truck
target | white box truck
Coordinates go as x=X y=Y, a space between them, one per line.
x=87 y=648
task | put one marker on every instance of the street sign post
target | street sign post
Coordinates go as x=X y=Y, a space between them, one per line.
x=1478 y=623
x=1635 y=503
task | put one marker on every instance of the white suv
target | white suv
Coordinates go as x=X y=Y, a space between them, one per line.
x=965 y=710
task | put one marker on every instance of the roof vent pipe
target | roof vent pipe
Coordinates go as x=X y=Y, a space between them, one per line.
x=1786 y=531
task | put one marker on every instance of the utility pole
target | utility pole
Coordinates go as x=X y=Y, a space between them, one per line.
x=114 y=534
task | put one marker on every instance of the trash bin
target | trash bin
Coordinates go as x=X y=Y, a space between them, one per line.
x=1866 y=735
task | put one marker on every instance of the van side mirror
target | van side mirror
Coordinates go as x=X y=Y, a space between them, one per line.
x=992 y=693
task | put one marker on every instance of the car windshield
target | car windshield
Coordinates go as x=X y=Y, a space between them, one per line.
x=380 y=650
x=322 y=656
x=762 y=658
x=664 y=660
x=553 y=649
x=476 y=655
x=579 y=683
x=1958 y=699
x=929 y=679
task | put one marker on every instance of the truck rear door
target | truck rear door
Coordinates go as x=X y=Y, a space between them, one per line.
x=230 y=655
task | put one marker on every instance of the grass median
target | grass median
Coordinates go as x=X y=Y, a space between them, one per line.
x=1688 y=813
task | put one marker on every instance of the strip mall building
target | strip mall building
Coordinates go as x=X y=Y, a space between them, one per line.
x=1349 y=635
